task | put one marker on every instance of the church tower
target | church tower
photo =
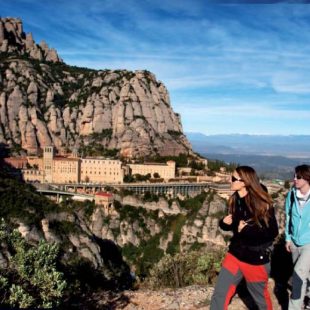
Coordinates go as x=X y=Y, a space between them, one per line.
x=48 y=155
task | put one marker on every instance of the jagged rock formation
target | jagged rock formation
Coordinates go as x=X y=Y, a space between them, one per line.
x=132 y=227
x=14 y=40
x=46 y=102
x=141 y=224
x=151 y=220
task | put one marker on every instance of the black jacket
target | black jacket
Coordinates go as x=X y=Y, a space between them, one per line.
x=251 y=244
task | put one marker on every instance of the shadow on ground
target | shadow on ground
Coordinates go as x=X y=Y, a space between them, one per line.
x=281 y=271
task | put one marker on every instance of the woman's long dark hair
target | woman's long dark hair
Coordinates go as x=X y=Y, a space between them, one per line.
x=258 y=200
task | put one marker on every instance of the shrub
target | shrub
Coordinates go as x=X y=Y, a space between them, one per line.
x=196 y=267
x=131 y=213
x=174 y=133
x=31 y=278
x=148 y=197
x=176 y=226
x=150 y=255
x=64 y=228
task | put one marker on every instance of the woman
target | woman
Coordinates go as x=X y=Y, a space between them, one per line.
x=252 y=220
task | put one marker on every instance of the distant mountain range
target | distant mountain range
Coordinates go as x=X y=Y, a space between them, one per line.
x=271 y=156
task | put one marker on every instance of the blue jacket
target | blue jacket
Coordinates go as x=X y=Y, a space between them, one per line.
x=297 y=229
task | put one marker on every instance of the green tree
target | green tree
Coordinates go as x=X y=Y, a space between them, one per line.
x=196 y=165
x=30 y=279
x=215 y=165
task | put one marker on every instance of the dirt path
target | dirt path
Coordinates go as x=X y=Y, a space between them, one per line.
x=188 y=298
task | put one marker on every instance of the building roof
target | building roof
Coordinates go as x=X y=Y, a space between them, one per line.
x=100 y=157
x=149 y=164
x=15 y=159
x=104 y=194
x=65 y=158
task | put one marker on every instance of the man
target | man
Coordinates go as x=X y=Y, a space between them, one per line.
x=297 y=235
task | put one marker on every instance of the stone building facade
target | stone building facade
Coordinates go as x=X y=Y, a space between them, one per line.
x=165 y=171
x=61 y=169
x=66 y=170
x=33 y=175
x=95 y=170
x=72 y=169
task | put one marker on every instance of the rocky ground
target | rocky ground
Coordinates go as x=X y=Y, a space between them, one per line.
x=188 y=298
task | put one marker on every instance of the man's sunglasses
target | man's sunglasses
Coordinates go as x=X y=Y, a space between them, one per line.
x=297 y=176
x=234 y=179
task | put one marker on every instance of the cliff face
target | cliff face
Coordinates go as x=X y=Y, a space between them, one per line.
x=46 y=102
x=133 y=225
x=139 y=227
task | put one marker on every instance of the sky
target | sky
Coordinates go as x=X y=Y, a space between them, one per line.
x=229 y=66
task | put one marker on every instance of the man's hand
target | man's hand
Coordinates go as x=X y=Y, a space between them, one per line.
x=288 y=245
x=228 y=219
x=241 y=225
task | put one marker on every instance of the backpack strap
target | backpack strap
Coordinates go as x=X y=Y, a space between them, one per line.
x=292 y=200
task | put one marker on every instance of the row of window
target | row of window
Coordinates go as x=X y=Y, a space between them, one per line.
x=35 y=172
x=162 y=173
x=65 y=170
x=104 y=173
x=101 y=170
x=66 y=163
x=105 y=162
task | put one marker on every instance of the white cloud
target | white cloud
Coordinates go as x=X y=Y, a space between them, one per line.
x=292 y=82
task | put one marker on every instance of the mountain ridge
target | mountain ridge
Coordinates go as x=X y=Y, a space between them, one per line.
x=44 y=101
x=274 y=145
x=273 y=156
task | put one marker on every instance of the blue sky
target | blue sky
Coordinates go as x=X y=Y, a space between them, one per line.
x=229 y=67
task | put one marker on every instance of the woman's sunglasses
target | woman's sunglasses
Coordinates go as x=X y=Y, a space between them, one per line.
x=234 y=179
x=297 y=176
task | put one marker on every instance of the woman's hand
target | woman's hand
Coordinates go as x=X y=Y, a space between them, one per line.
x=241 y=225
x=228 y=219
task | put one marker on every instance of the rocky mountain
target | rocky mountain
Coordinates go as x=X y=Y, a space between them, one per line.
x=43 y=102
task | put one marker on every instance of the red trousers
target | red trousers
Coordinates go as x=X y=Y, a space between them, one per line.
x=232 y=272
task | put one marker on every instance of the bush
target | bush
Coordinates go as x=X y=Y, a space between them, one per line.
x=149 y=197
x=176 y=227
x=31 y=278
x=182 y=269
